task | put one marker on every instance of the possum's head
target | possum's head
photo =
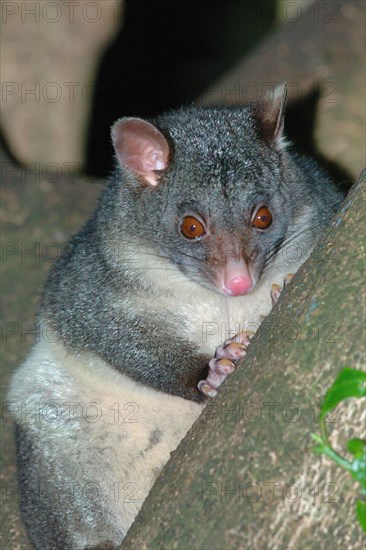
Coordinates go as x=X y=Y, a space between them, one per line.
x=211 y=189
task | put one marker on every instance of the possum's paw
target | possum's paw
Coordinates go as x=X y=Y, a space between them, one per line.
x=224 y=362
x=276 y=289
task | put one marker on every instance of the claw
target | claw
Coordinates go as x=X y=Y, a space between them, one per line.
x=232 y=350
x=276 y=289
x=222 y=366
x=275 y=293
x=206 y=389
x=243 y=337
x=288 y=279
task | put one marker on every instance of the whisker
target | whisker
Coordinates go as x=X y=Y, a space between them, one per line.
x=163 y=257
x=287 y=241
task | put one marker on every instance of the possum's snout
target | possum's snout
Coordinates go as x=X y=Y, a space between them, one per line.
x=234 y=278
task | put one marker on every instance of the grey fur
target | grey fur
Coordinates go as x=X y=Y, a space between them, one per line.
x=111 y=313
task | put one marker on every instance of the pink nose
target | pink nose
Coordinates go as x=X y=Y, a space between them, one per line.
x=238 y=285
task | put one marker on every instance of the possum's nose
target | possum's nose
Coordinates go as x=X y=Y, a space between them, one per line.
x=237 y=286
x=236 y=279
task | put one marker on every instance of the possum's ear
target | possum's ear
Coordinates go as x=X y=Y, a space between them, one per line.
x=268 y=113
x=140 y=147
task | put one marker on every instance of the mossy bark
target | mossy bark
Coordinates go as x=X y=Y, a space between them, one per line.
x=245 y=476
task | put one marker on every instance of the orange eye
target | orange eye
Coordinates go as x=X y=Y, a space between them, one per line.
x=262 y=218
x=192 y=228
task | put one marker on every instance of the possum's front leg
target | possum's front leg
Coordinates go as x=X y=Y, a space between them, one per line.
x=227 y=355
x=224 y=363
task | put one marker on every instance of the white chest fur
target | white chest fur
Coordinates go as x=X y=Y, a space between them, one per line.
x=210 y=318
x=96 y=425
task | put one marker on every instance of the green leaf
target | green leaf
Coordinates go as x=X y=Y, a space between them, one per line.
x=361 y=513
x=349 y=383
x=358 y=472
x=357 y=447
x=347 y=374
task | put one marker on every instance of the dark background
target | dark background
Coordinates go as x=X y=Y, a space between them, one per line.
x=175 y=50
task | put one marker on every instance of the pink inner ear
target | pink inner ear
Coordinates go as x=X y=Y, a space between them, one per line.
x=141 y=147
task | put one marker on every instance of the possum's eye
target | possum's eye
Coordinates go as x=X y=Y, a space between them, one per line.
x=192 y=228
x=262 y=218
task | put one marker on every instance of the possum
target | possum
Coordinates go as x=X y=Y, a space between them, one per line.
x=150 y=306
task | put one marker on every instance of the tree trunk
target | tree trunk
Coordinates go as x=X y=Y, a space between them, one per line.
x=245 y=476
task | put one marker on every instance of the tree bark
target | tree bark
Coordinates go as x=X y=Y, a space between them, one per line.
x=245 y=476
